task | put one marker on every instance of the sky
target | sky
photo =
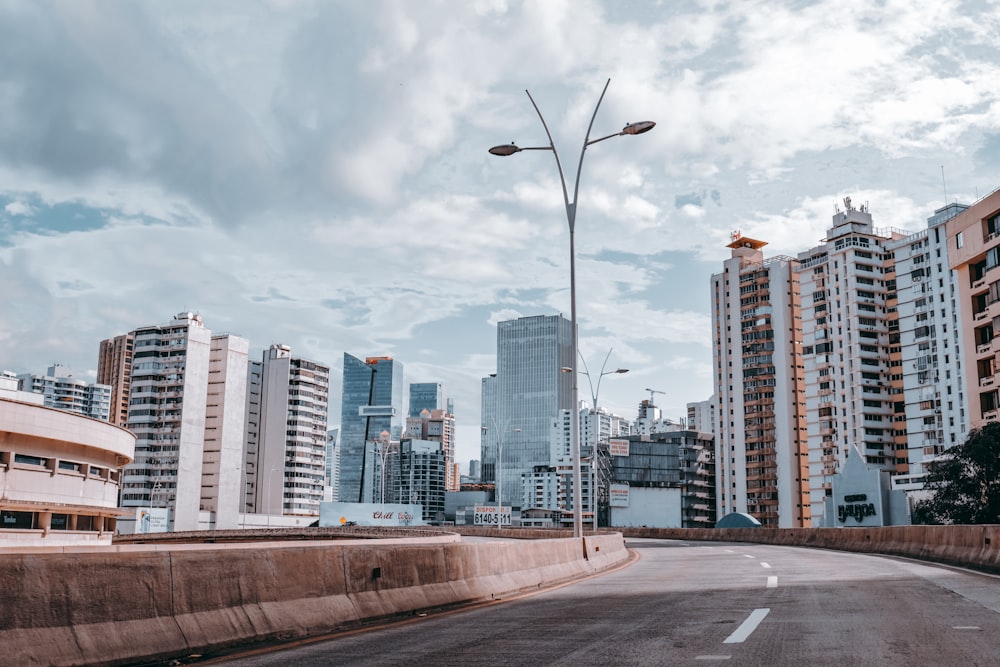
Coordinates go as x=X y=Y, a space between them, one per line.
x=316 y=174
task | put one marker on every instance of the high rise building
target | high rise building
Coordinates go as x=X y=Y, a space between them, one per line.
x=974 y=254
x=114 y=369
x=371 y=403
x=419 y=476
x=286 y=436
x=168 y=393
x=851 y=353
x=428 y=396
x=760 y=445
x=530 y=389
x=62 y=391
x=438 y=426
x=225 y=418
x=701 y=415
x=933 y=372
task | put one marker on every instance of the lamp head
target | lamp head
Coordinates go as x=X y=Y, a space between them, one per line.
x=635 y=128
x=504 y=150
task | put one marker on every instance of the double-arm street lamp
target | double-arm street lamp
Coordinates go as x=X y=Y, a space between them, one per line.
x=510 y=149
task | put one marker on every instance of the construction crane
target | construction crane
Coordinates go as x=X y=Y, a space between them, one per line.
x=651 y=392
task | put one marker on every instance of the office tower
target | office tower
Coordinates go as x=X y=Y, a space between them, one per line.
x=933 y=371
x=428 y=396
x=174 y=410
x=475 y=470
x=114 y=369
x=438 y=426
x=851 y=353
x=530 y=389
x=286 y=447
x=419 y=476
x=371 y=403
x=62 y=391
x=974 y=254
x=760 y=444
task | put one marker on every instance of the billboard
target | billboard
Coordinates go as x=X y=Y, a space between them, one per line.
x=491 y=515
x=618 y=495
x=151 y=519
x=618 y=447
x=370 y=514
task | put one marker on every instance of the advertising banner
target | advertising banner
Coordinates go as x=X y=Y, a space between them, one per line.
x=490 y=515
x=151 y=519
x=618 y=495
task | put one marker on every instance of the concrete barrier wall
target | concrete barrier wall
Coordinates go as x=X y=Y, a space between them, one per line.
x=967 y=546
x=136 y=603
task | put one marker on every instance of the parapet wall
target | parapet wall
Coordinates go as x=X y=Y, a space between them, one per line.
x=967 y=546
x=133 y=603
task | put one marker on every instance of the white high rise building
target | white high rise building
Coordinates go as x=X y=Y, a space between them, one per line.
x=852 y=354
x=62 y=391
x=286 y=435
x=168 y=410
x=936 y=414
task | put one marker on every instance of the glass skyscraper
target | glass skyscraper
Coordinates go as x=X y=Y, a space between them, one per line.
x=426 y=396
x=529 y=390
x=371 y=403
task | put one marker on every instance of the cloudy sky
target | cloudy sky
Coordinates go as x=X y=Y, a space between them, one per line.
x=316 y=173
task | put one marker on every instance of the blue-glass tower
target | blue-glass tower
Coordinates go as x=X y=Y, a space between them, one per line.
x=426 y=396
x=371 y=403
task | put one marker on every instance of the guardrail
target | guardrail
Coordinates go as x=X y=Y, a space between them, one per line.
x=154 y=602
x=976 y=547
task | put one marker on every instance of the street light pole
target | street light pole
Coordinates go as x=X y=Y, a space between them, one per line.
x=510 y=149
x=594 y=393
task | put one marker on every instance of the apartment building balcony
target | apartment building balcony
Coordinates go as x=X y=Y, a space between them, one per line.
x=981 y=315
x=979 y=285
x=985 y=348
x=990 y=415
x=987 y=381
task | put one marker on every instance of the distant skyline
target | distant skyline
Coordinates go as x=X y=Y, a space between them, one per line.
x=316 y=173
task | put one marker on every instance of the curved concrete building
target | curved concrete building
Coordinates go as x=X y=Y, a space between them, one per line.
x=59 y=476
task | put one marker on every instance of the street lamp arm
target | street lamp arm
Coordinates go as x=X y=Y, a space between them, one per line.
x=570 y=208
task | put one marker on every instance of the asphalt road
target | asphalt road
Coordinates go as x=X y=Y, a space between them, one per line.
x=703 y=604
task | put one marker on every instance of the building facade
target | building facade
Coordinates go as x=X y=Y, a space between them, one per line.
x=933 y=372
x=760 y=446
x=286 y=435
x=168 y=397
x=371 y=402
x=529 y=389
x=439 y=426
x=62 y=391
x=974 y=254
x=61 y=473
x=851 y=351
x=114 y=369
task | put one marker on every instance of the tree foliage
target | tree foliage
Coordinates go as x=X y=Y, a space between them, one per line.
x=965 y=482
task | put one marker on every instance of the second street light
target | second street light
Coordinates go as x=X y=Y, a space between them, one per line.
x=510 y=149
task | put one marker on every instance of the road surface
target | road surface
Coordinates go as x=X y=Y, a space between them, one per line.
x=687 y=603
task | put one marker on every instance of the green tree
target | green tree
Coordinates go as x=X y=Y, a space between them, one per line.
x=965 y=482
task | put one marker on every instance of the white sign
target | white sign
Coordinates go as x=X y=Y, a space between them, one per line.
x=490 y=515
x=618 y=447
x=151 y=519
x=618 y=495
x=369 y=514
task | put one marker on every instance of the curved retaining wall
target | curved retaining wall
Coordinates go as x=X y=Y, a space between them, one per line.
x=967 y=546
x=138 y=603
